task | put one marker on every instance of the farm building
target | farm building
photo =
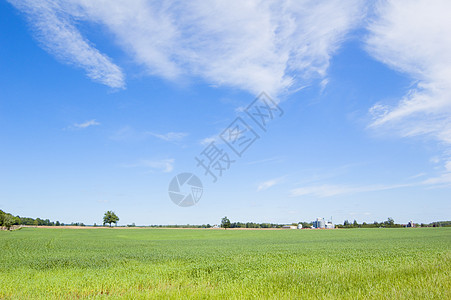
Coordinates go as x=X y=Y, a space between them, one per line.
x=320 y=223
x=289 y=227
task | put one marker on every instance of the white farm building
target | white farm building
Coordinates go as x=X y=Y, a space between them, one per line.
x=320 y=223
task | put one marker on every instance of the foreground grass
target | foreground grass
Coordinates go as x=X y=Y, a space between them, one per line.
x=164 y=263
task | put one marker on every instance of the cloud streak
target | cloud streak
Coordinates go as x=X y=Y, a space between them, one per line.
x=414 y=37
x=273 y=46
x=170 y=136
x=443 y=180
x=268 y=184
x=322 y=191
x=54 y=28
x=86 y=124
x=164 y=165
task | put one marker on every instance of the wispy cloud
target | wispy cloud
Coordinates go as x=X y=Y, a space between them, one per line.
x=86 y=124
x=269 y=183
x=170 y=136
x=165 y=165
x=54 y=28
x=323 y=84
x=417 y=176
x=251 y=45
x=439 y=181
x=325 y=190
x=208 y=140
x=128 y=133
x=266 y=160
x=442 y=180
x=414 y=37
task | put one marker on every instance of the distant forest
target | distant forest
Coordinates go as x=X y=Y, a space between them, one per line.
x=7 y=220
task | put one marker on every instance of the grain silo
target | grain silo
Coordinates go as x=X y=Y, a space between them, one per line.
x=319 y=223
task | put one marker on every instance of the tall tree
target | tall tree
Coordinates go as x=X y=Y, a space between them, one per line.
x=390 y=222
x=8 y=221
x=225 y=223
x=110 y=217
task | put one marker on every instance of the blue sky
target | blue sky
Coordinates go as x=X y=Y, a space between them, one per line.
x=102 y=103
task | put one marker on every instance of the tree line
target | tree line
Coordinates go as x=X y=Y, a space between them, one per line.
x=390 y=223
x=7 y=220
x=225 y=223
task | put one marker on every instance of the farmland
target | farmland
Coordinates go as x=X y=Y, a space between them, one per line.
x=169 y=263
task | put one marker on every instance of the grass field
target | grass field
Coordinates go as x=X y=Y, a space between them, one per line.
x=170 y=263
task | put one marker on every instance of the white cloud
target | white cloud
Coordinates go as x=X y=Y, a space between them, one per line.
x=255 y=45
x=443 y=180
x=414 y=37
x=128 y=133
x=448 y=166
x=434 y=159
x=208 y=140
x=86 y=124
x=267 y=184
x=165 y=165
x=323 y=84
x=55 y=30
x=320 y=190
x=417 y=176
x=170 y=136
x=325 y=190
x=267 y=160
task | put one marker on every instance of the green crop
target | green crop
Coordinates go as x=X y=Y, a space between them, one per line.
x=226 y=264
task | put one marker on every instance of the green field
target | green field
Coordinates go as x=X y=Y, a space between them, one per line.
x=271 y=264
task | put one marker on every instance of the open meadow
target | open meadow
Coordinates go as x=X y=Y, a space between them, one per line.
x=138 y=263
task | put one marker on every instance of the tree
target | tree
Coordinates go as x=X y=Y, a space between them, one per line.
x=390 y=222
x=110 y=217
x=346 y=223
x=225 y=223
x=305 y=224
x=8 y=221
x=355 y=224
